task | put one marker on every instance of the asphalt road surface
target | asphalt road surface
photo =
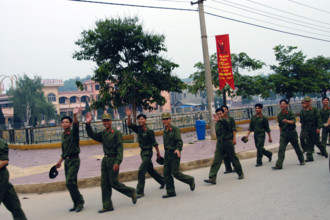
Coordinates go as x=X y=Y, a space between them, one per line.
x=296 y=192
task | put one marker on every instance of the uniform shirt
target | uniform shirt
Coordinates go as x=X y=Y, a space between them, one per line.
x=325 y=113
x=172 y=138
x=223 y=129
x=3 y=150
x=112 y=141
x=289 y=115
x=146 y=137
x=310 y=117
x=70 y=142
x=232 y=123
x=259 y=123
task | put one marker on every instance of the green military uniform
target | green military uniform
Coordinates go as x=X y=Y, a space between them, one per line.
x=224 y=146
x=70 y=154
x=325 y=114
x=259 y=125
x=288 y=134
x=112 y=142
x=226 y=159
x=310 y=120
x=8 y=195
x=172 y=141
x=146 y=138
x=302 y=136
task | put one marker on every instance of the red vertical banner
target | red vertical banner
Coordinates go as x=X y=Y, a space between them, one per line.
x=225 y=70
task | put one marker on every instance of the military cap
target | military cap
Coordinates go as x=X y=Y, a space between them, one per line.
x=106 y=116
x=166 y=115
x=160 y=160
x=53 y=172
x=244 y=139
x=307 y=99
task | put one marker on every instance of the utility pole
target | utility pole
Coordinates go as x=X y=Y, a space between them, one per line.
x=207 y=67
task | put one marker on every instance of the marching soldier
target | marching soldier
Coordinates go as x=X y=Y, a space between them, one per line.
x=325 y=113
x=70 y=154
x=8 y=195
x=224 y=146
x=259 y=125
x=288 y=133
x=112 y=142
x=147 y=141
x=302 y=130
x=173 y=147
x=311 y=122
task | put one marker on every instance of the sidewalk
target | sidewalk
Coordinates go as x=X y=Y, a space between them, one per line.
x=29 y=169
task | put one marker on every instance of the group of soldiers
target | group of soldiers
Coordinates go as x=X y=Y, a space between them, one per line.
x=312 y=120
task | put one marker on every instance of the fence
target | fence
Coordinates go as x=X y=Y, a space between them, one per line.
x=53 y=134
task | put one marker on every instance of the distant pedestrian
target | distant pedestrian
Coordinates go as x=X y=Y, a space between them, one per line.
x=311 y=122
x=224 y=145
x=8 y=194
x=325 y=114
x=147 y=141
x=173 y=146
x=287 y=124
x=112 y=142
x=70 y=155
x=259 y=125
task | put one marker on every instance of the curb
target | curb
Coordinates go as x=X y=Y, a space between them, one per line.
x=130 y=175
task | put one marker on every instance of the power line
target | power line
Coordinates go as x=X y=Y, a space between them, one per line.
x=289 y=13
x=268 y=28
x=231 y=5
x=194 y=10
x=267 y=22
x=172 y=1
x=309 y=6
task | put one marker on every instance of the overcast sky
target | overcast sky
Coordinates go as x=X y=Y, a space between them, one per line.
x=37 y=36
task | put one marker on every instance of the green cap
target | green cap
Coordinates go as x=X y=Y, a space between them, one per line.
x=106 y=116
x=166 y=115
x=307 y=99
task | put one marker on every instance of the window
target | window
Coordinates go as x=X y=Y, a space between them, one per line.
x=85 y=88
x=51 y=97
x=62 y=100
x=97 y=87
x=73 y=99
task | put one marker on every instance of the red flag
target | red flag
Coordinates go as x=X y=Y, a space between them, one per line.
x=224 y=62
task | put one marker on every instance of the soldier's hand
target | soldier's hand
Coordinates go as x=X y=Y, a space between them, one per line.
x=128 y=111
x=317 y=131
x=88 y=117
x=270 y=140
x=234 y=141
x=58 y=165
x=178 y=153
x=115 y=167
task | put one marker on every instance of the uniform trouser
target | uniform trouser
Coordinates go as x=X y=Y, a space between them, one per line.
x=259 y=141
x=285 y=138
x=9 y=197
x=172 y=169
x=325 y=135
x=312 y=138
x=147 y=166
x=71 y=168
x=109 y=180
x=225 y=147
x=303 y=140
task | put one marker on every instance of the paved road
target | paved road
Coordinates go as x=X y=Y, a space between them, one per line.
x=296 y=192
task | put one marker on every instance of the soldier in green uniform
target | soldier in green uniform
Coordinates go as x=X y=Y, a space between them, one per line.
x=224 y=146
x=8 y=195
x=325 y=113
x=226 y=160
x=259 y=125
x=70 y=154
x=287 y=123
x=112 y=142
x=147 y=141
x=311 y=122
x=173 y=147
x=302 y=131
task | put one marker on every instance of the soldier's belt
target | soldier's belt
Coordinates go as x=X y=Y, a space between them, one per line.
x=110 y=155
x=71 y=157
x=225 y=139
x=311 y=125
x=169 y=150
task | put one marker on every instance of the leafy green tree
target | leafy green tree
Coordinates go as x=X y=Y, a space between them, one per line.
x=131 y=60
x=70 y=84
x=29 y=102
x=242 y=83
x=322 y=67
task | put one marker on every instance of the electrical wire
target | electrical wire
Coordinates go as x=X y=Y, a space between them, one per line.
x=309 y=6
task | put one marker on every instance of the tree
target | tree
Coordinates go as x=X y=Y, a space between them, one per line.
x=322 y=67
x=70 y=84
x=29 y=102
x=131 y=60
x=288 y=77
x=242 y=83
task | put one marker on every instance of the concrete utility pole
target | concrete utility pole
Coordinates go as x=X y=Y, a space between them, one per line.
x=207 y=67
